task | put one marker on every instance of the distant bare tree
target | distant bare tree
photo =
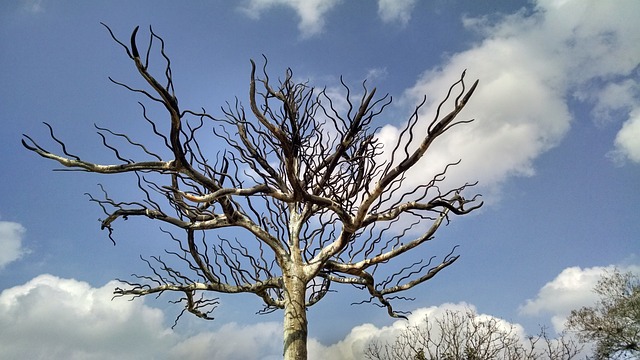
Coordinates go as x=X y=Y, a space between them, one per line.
x=458 y=335
x=302 y=182
x=613 y=324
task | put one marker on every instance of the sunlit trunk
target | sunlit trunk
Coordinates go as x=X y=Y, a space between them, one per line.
x=295 y=319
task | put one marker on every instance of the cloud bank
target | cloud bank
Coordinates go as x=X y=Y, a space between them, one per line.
x=55 y=318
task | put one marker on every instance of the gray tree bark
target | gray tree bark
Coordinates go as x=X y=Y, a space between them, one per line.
x=295 y=316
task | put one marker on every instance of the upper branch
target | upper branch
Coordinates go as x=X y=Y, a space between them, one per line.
x=437 y=128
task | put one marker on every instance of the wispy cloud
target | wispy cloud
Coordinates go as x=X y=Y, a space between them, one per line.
x=396 y=11
x=34 y=6
x=310 y=12
x=11 y=235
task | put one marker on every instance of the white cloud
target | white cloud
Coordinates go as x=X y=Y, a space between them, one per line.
x=395 y=10
x=628 y=139
x=355 y=343
x=615 y=98
x=529 y=65
x=571 y=289
x=54 y=318
x=11 y=234
x=353 y=346
x=310 y=12
x=233 y=342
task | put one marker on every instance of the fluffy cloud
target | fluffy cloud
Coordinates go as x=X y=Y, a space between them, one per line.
x=233 y=342
x=54 y=318
x=11 y=234
x=530 y=64
x=571 y=289
x=355 y=343
x=628 y=138
x=614 y=99
x=311 y=12
x=395 y=10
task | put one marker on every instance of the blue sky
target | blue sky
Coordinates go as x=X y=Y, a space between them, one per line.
x=555 y=148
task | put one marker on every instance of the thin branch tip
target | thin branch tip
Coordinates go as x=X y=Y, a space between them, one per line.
x=134 y=48
x=27 y=146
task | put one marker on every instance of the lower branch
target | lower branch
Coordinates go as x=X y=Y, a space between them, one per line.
x=349 y=274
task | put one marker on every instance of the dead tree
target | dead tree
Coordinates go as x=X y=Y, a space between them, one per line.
x=304 y=184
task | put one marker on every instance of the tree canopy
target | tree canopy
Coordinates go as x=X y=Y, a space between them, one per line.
x=613 y=323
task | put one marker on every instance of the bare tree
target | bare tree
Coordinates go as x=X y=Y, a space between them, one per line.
x=613 y=324
x=303 y=183
x=464 y=335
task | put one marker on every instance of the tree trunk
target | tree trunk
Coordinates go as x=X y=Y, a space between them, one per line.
x=295 y=318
